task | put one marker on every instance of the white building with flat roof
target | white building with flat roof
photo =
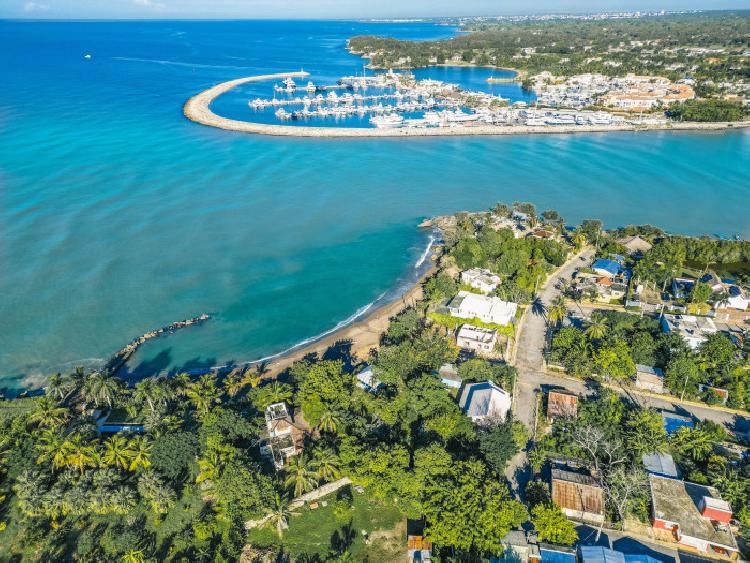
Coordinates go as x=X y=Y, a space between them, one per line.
x=483 y=280
x=467 y=305
x=481 y=340
x=694 y=330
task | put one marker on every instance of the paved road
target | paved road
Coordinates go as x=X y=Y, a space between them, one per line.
x=530 y=345
x=532 y=380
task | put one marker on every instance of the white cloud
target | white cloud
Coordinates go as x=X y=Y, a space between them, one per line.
x=34 y=7
x=149 y=4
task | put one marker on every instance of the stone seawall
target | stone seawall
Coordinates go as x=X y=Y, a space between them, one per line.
x=198 y=109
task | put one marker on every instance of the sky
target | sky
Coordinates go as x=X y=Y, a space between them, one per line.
x=331 y=9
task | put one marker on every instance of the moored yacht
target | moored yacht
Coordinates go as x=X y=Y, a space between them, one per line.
x=390 y=120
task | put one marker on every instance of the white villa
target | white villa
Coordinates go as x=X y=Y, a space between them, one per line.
x=485 y=401
x=483 y=280
x=694 y=330
x=481 y=340
x=467 y=305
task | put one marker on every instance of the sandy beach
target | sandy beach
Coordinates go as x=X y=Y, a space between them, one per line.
x=198 y=109
x=363 y=334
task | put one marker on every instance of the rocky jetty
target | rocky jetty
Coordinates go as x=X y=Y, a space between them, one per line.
x=119 y=359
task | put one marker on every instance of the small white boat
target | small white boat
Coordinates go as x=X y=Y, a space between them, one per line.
x=86 y=56
x=388 y=121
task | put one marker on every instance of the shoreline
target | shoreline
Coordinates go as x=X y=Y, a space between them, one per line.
x=197 y=109
x=363 y=334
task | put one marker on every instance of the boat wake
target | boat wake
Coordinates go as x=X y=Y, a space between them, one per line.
x=176 y=63
x=425 y=254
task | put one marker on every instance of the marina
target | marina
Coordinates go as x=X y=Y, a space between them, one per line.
x=396 y=104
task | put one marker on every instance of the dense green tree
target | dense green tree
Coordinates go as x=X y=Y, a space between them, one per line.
x=173 y=455
x=498 y=445
x=467 y=509
x=552 y=525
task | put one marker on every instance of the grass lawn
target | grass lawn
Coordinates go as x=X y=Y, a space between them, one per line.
x=322 y=530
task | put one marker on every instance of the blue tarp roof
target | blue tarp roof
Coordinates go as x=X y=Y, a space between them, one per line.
x=609 y=265
x=672 y=423
x=638 y=558
x=549 y=556
x=599 y=554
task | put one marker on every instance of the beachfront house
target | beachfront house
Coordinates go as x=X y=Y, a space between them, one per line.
x=578 y=495
x=693 y=515
x=485 y=401
x=284 y=437
x=649 y=378
x=467 y=305
x=483 y=280
x=479 y=340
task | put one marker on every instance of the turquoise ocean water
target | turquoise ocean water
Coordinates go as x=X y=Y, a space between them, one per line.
x=117 y=215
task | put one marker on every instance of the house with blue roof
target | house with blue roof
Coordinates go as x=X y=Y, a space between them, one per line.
x=605 y=267
x=550 y=553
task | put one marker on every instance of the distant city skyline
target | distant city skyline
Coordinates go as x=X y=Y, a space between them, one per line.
x=330 y=9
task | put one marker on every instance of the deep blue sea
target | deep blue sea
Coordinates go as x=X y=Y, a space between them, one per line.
x=118 y=216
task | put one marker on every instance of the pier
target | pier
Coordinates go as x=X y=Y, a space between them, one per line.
x=198 y=109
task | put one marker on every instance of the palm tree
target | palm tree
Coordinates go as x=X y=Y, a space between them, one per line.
x=300 y=477
x=233 y=383
x=579 y=239
x=557 y=310
x=721 y=299
x=180 y=384
x=134 y=556
x=157 y=423
x=78 y=454
x=329 y=421
x=279 y=392
x=203 y=393
x=154 y=392
x=141 y=447
x=58 y=387
x=280 y=513
x=99 y=388
x=326 y=464
x=48 y=413
x=117 y=452
x=75 y=381
x=597 y=327
x=52 y=446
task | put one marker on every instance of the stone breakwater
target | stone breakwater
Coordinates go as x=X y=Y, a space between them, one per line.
x=122 y=356
x=198 y=109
